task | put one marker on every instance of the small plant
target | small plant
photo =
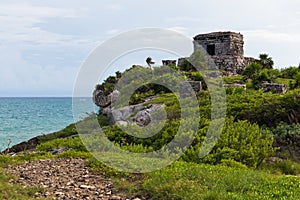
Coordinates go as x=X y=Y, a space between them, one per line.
x=288 y=167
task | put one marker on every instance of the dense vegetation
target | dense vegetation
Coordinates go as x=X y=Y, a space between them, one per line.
x=259 y=144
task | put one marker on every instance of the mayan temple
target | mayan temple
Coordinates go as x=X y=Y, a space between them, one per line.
x=226 y=49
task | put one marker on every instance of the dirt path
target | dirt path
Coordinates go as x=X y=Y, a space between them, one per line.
x=65 y=179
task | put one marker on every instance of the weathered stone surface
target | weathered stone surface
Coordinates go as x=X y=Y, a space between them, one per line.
x=139 y=114
x=226 y=50
x=220 y=43
x=143 y=118
x=232 y=64
x=189 y=87
x=101 y=100
x=275 y=87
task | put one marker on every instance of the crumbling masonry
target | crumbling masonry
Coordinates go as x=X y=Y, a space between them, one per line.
x=226 y=49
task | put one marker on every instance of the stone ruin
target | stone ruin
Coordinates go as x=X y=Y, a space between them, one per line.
x=275 y=87
x=169 y=62
x=226 y=50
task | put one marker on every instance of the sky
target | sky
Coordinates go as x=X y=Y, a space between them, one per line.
x=43 y=44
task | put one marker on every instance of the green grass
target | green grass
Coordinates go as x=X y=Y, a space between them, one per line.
x=6 y=161
x=285 y=81
x=194 y=181
x=14 y=191
x=181 y=180
x=233 y=79
x=287 y=167
x=69 y=143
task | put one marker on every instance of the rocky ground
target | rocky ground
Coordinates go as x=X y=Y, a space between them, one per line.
x=65 y=179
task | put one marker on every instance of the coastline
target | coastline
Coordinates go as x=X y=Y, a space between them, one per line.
x=31 y=144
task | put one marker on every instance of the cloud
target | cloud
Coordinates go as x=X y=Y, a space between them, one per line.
x=179 y=29
x=33 y=60
x=18 y=76
x=30 y=11
x=272 y=36
x=114 y=7
x=20 y=23
x=113 y=32
x=183 y=19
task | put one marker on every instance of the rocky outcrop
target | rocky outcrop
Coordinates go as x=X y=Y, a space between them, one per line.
x=23 y=146
x=102 y=100
x=139 y=114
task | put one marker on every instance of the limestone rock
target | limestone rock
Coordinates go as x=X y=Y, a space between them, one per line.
x=139 y=114
x=101 y=100
x=143 y=118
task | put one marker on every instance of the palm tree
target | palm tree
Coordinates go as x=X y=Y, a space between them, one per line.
x=266 y=61
x=149 y=61
x=252 y=71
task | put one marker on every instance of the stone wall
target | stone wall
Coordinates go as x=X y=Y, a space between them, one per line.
x=168 y=62
x=232 y=64
x=226 y=49
x=274 y=87
x=220 y=43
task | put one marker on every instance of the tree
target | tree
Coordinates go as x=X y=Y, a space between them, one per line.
x=266 y=61
x=297 y=79
x=149 y=61
x=252 y=70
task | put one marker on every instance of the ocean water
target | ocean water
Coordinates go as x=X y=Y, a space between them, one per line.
x=24 y=118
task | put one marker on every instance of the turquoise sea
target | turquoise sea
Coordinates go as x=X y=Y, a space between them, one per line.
x=24 y=118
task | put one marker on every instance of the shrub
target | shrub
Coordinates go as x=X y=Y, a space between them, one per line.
x=288 y=133
x=240 y=141
x=288 y=167
x=71 y=143
x=232 y=163
x=265 y=109
x=244 y=142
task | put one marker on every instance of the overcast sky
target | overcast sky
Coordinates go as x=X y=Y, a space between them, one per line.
x=44 y=43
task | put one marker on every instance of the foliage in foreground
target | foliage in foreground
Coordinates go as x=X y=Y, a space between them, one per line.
x=240 y=141
x=192 y=181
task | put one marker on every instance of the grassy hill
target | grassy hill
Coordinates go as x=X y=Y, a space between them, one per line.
x=256 y=156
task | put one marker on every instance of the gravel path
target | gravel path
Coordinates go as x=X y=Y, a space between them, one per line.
x=65 y=179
